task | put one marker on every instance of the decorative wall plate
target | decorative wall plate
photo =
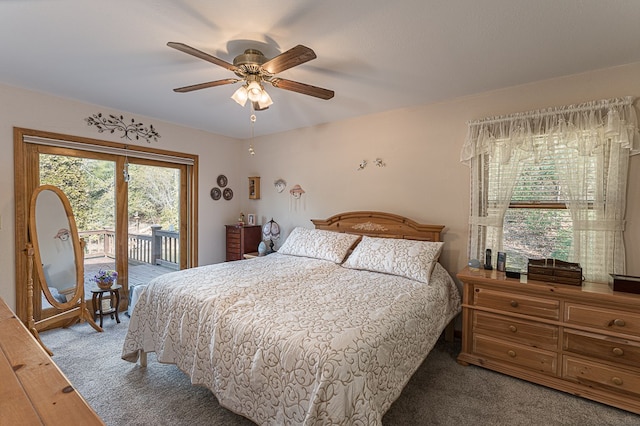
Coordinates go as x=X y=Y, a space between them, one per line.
x=227 y=193
x=222 y=181
x=280 y=185
x=216 y=193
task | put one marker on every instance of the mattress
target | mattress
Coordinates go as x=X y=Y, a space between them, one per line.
x=287 y=339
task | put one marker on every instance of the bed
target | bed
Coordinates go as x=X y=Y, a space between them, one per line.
x=328 y=330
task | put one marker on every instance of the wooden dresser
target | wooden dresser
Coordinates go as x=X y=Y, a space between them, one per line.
x=241 y=240
x=34 y=391
x=584 y=340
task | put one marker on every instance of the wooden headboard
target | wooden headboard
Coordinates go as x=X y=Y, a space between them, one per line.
x=379 y=224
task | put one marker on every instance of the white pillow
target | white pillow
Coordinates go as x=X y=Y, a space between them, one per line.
x=319 y=244
x=407 y=258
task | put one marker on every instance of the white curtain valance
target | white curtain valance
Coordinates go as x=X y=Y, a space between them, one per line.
x=584 y=127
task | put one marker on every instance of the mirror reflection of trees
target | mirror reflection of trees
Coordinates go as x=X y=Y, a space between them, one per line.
x=67 y=174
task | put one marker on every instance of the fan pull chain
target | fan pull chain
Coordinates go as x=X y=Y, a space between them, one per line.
x=253 y=121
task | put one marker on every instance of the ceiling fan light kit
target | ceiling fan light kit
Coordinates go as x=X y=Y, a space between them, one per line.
x=241 y=95
x=254 y=69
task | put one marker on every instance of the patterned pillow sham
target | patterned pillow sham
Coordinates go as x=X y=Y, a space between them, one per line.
x=319 y=244
x=407 y=258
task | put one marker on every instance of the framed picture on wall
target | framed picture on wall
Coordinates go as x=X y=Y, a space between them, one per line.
x=251 y=219
x=254 y=188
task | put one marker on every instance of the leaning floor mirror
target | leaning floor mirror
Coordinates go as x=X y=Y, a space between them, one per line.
x=56 y=253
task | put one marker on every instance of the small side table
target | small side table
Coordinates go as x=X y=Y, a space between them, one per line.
x=98 y=307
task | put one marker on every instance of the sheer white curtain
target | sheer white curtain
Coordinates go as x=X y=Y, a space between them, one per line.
x=490 y=202
x=594 y=137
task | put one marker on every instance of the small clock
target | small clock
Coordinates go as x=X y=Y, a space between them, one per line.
x=222 y=181
x=216 y=193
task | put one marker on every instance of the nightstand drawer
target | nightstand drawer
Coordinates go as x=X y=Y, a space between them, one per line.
x=537 y=360
x=234 y=237
x=598 y=346
x=233 y=244
x=516 y=303
x=601 y=376
x=521 y=331
x=234 y=230
x=603 y=319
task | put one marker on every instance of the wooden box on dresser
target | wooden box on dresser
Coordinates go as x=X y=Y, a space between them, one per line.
x=584 y=340
x=242 y=239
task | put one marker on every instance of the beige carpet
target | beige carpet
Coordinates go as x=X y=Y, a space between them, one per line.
x=440 y=393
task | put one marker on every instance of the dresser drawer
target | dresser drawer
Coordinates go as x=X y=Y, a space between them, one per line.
x=233 y=256
x=234 y=230
x=537 y=360
x=603 y=319
x=521 y=331
x=597 y=375
x=516 y=303
x=598 y=346
x=234 y=244
x=234 y=237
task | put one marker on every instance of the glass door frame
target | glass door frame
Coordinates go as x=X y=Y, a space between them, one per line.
x=26 y=175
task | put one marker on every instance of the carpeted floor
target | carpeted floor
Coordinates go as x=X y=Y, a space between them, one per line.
x=442 y=392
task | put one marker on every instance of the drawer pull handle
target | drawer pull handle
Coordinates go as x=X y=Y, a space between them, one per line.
x=619 y=322
x=514 y=304
x=618 y=352
x=512 y=354
x=616 y=381
x=513 y=328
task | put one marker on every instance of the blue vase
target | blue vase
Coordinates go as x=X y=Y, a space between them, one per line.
x=262 y=248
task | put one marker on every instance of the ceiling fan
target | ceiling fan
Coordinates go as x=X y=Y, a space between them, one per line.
x=254 y=69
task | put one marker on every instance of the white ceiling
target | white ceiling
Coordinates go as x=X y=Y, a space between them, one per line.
x=377 y=55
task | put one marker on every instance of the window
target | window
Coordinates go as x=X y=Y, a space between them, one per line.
x=537 y=223
x=552 y=184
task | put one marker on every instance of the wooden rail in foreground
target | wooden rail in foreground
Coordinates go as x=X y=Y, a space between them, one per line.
x=34 y=391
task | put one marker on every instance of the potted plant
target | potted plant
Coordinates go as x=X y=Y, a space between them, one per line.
x=105 y=278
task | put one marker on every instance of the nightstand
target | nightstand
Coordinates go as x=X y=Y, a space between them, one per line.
x=242 y=239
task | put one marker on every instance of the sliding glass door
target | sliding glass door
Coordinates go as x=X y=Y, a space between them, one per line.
x=153 y=237
x=134 y=213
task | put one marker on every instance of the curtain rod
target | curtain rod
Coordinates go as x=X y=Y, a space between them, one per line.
x=109 y=150
x=587 y=106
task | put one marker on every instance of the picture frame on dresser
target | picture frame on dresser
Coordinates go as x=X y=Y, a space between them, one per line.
x=251 y=219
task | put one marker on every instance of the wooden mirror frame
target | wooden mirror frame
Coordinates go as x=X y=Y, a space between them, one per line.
x=74 y=308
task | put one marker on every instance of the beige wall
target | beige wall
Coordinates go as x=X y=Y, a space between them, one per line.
x=217 y=154
x=423 y=178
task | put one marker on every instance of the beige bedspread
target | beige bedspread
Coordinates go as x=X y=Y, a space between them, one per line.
x=293 y=340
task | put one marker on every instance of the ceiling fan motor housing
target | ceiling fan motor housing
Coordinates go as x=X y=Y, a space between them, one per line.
x=250 y=56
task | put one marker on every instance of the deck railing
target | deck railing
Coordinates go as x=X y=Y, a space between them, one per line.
x=159 y=248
